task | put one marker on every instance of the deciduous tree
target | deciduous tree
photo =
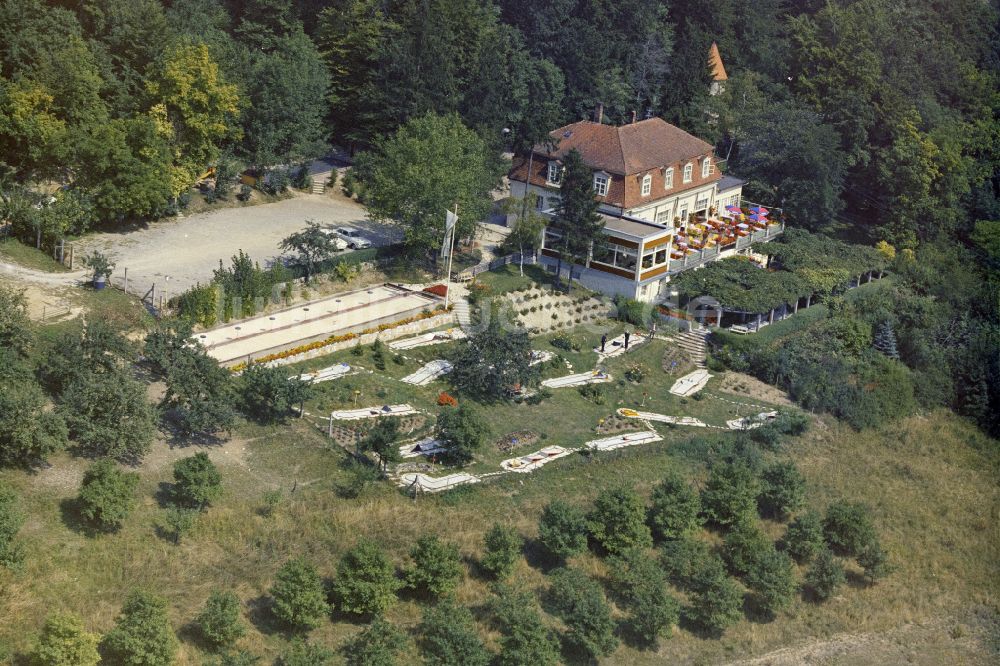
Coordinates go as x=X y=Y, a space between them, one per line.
x=107 y=494
x=562 y=529
x=219 y=621
x=299 y=598
x=64 y=641
x=142 y=633
x=366 y=580
x=618 y=521
x=437 y=566
x=675 y=507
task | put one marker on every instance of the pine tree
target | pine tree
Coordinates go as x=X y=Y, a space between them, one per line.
x=885 y=340
x=578 y=220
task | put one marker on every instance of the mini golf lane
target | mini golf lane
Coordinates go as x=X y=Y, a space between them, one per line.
x=433 y=338
x=428 y=373
x=592 y=377
x=372 y=412
x=342 y=313
x=661 y=418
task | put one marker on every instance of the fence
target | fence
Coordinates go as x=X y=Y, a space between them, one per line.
x=700 y=257
x=470 y=273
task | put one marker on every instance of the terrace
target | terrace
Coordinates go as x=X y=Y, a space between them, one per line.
x=709 y=238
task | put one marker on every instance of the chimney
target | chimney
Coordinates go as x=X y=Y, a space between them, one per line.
x=599 y=113
x=633 y=117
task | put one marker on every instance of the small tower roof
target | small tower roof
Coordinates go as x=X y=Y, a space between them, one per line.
x=715 y=62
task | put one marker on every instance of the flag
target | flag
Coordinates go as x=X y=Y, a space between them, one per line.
x=449 y=224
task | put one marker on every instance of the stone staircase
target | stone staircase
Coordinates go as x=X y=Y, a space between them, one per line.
x=319 y=182
x=693 y=342
x=462 y=312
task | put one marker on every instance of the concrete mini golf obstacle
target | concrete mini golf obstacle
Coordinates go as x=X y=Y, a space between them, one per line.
x=621 y=441
x=372 y=412
x=533 y=461
x=428 y=373
x=616 y=346
x=750 y=422
x=691 y=383
x=424 y=447
x=324 y=375
x=661 y=418
x=592 y=377
x=349 y=312
x=432 y=338
x=432 y=484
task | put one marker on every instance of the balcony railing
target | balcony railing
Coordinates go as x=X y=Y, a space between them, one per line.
x=701 y=257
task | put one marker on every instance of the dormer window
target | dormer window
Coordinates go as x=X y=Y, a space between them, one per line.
x=668 y=178
x=601 y=184
x=706 y=166
x=554 y=174
x=688 y=170
x=647 y=184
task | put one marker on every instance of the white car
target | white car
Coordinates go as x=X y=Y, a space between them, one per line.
x=354 y=239
x=338 y=242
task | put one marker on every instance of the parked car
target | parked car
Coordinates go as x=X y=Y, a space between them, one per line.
x=338 y=242
x=354 y=239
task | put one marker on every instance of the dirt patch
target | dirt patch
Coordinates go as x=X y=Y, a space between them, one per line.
x=615 y=424
x=516 y=440
x=676 y=361
x=745 y=386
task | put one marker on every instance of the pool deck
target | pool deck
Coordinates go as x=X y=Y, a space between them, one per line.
x=349 y=312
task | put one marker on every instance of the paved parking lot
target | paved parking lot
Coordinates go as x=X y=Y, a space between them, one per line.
x=177 y=253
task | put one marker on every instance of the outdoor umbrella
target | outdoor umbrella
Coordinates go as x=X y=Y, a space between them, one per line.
x=734 y=209
x=760 y=210
x=758 y=218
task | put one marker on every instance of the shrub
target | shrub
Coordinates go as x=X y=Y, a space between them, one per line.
x=618 y=521
x=502 y=550
x=377 y=645
x=578 y=600
x=65 y=642
x=196 y=481
x=643 y=586
x=875 y=561
x=743 y=545
x=306 y=654
x=562 y=530
x=437 y=566
x=632 y=311
x=771 y=580
x=782 y=490
x=825 y=575
x=715 y=601
x=142 y=633
x=562 y=340
x=449 y=637
x=199 y=304
x=804 y=537
x=366 y=580
x=219 y=622
x=636 y=372
x=299 y=598
x=524 y=639
x=11 y=520
x=463 y=431
x=675 y=508
x=683 y=559
x=107 y=494
x=269 y=395
x=730 y=494
x=445 y=400
x=848 y=527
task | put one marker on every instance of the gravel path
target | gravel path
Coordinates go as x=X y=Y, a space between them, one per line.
x=177 y=253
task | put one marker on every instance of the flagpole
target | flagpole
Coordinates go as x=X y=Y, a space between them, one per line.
x=451 y=252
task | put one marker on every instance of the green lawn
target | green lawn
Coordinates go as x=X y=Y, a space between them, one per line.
x=24 y=255
x=508 y=278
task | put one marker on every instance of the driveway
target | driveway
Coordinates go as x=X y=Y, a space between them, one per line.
x=179 y=252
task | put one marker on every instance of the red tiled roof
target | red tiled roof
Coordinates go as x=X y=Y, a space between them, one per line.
x=627 y=149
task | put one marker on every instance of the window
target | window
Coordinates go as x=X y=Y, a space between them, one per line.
x=706 y=167
x=601 y=184
x=663 y=216
x=540 y=203
x=683 y=215
x=688 y=168
x=668 y=178
x=555 y=173
x=647 y=184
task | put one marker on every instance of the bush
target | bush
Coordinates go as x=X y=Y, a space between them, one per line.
x=562 y=340
x=675 y=508
x=782 y=490
x=366 y=580
x=306 y=654
x=578 y=600
x=437 y=566
x=463 y=432
x=219 y=622
x=632 y=311
x=299 y=598
x=445 y=400
x=683 y=559
x=107 y=495
x=65 y=642
x=377 y=645
x=825 y=575
x=804 y=537
x=715 y=601
x=502 y=550
x=643 y=586
x=848 y=527
x=268 y=395
x=618 y=521
x=730 y=494
x=11 y=520
x=142 y=633
x=562 y=530
x=200 y=304
x=771 y=580
x=449 y=637
x=875 y=561
x=196 y=481
x=636 y=372
x=524 y=639
x=743 y=545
